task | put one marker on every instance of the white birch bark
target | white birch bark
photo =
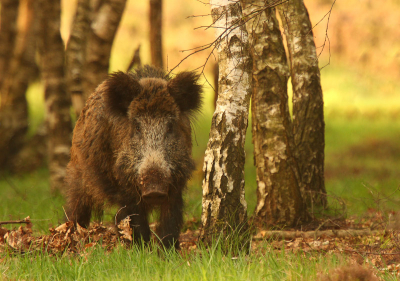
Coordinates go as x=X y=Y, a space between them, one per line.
x=308 y=105
x=224 y=205
x=279 y=200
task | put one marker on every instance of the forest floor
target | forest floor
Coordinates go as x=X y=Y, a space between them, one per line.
x=373 y=240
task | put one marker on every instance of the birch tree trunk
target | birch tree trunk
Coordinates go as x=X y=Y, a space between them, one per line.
x=155 y=18
x=16 y=77
x=58 y=120
x=76 y=55
x=106 y=18
x=308 y=105
x=224 y=205
x=279 y=201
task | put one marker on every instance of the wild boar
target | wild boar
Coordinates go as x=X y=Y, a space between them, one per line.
x=132 y=148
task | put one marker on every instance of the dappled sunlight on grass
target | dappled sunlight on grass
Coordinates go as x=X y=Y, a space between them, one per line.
x=353 y=94
x=35 y=97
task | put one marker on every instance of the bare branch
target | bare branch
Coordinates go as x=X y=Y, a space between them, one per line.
x=25 y=220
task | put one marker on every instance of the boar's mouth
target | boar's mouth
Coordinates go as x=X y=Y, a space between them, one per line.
x=155 y=195
x=154 y=188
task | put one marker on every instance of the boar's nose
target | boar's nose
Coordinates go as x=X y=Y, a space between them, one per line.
x=154 y=186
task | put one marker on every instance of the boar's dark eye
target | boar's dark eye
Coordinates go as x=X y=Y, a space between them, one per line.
x=170 y=128
x=136 y=128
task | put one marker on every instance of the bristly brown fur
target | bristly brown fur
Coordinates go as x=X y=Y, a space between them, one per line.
x=134 y=132
x=186 y=91
x=149 y=71
x=120 y=90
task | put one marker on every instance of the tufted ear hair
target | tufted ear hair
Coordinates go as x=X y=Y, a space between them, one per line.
x=186 y=91
x=119 y=90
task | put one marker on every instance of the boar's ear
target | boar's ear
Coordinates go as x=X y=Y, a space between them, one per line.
x=186 y=91
x=119 y=90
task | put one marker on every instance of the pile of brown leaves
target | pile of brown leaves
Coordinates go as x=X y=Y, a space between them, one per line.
x=65 y=238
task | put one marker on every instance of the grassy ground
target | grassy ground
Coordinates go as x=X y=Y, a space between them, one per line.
x=146 y=264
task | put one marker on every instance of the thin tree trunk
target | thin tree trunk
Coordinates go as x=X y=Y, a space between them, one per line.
x=156 y=33
x=8 y=33
x=279 y=200
x=224 y=205
x=136 y=61
x=106 y=18
x=216 y=76
x=57 y=101
x=76 y=54
x=308 y=105
x=21 y=69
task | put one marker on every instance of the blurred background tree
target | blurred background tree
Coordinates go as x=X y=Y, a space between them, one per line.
x=155 y=19
x=58 y=103
x=18 y=69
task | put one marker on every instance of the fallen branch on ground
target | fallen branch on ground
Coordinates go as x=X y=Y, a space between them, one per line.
x=340 y=233
x=25 y=220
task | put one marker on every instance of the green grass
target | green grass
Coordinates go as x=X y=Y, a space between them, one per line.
x=29 y=195
x=150 y=264
x=362 y=160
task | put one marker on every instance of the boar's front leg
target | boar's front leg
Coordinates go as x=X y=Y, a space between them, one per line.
x=79 y=202
x=171 y=220
x=138 y=223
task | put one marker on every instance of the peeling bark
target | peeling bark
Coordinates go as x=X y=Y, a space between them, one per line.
x=224 y=205
x=155 y=16
x=20 y=71
x=76 y=54
x=279 y=200
x=308 y=111
x=58 y=120
x=106 y=18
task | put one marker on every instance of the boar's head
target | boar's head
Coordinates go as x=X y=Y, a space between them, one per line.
x=150 y=118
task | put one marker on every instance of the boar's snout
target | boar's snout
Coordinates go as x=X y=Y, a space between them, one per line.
x=154 y=187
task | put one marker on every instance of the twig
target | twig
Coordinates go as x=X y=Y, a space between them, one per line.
x=65 y=213
x=15 y=222
x=115 y=217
